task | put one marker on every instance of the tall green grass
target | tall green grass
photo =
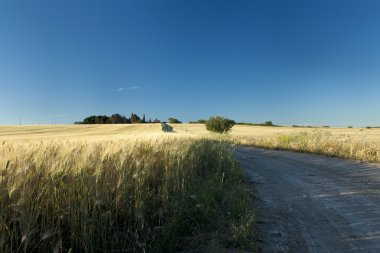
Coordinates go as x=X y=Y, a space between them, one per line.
x=121 y=196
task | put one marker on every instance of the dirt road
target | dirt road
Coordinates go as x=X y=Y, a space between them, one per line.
x=310 y=203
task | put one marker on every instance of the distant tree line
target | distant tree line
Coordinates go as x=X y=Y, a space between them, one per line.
x=174 y=121
x=116 y=119
x=200 y=121
x=266 y=123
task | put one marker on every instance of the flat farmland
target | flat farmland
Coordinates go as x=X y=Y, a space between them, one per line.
x=240 y=132
x=136 y=188
x=77 y=131
x=245 y=131
x=352 y=143
x=124 y=188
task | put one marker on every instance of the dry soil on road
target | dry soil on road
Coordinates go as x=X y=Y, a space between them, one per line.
x=311 y=203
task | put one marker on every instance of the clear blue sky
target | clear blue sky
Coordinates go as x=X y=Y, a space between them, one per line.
x=292 y=62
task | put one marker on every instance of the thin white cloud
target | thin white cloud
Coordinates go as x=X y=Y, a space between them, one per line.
x=134 y=87
x=131 y=88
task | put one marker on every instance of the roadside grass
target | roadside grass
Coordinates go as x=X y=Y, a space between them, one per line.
x=350 y=143
x=122 y=195
x=320 y=142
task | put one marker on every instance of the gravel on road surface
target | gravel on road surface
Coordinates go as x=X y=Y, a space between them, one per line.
x=311 y=203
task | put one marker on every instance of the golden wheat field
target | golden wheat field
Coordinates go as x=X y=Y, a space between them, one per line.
x=353 y=143
x=77 y=131
x=180 y=130
x=135 y=188
x=241 y=131
x=119 y=188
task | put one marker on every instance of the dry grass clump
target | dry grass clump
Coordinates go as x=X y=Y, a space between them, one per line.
x=321 y=142
x=120 y=195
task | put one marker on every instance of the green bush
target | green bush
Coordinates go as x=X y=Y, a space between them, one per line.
x=219 y=124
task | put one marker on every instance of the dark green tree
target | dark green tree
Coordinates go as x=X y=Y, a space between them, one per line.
x=135 y=119
x=101 y=119
x=90 y=120
x=174 y=121
x=219 y=124
x=268 y=123
x=117 y=119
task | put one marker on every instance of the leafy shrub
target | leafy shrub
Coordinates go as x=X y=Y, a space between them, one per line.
x=219 y=124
